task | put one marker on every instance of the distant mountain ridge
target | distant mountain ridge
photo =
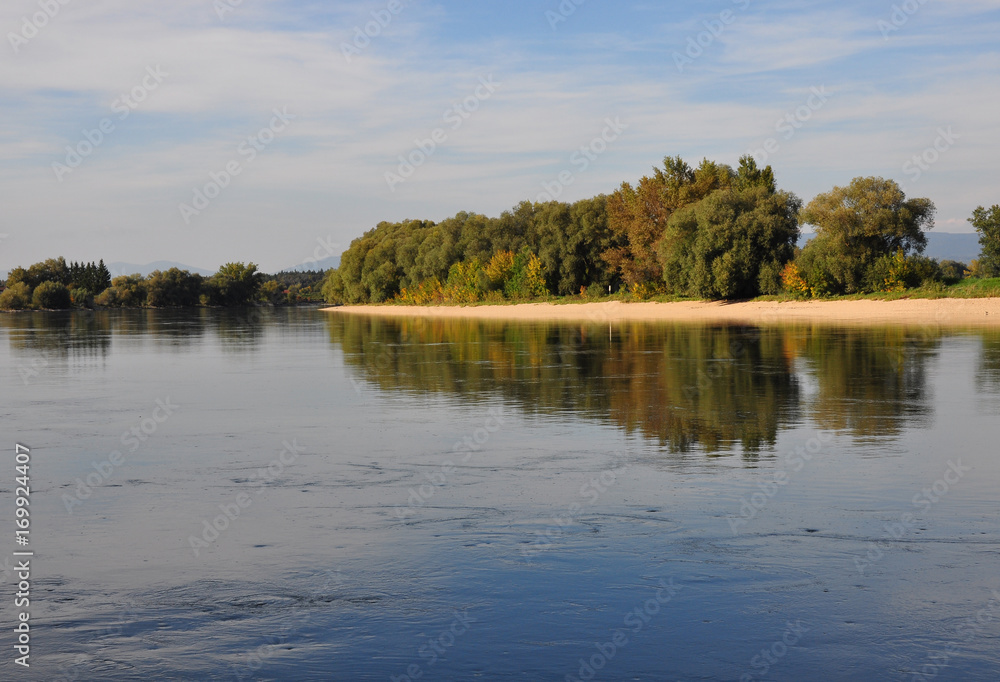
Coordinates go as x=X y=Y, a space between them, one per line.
x=960 y=246
x=119 y=268
x=322 y=264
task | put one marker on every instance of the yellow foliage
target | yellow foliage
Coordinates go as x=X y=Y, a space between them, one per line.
x=427 y=292
x=499 y=268
x=646 y=289
x=896 y=279
x=794 y=282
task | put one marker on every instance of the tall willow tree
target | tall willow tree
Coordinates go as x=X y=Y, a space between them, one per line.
x=858 y=228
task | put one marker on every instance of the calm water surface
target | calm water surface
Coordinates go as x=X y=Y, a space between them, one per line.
x=297 y=495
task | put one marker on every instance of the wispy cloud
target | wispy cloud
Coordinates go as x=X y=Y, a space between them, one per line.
x=355 y=117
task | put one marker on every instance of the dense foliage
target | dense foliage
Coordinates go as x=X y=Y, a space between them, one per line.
x=52 y=284
x=734 y=241
x=868 y=238
x=567 y=240
x=708 y=232
x=987 y=224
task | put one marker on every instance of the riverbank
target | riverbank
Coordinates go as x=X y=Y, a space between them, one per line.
x=939 y=312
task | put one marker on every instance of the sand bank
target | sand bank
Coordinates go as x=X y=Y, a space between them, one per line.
x=959 y=312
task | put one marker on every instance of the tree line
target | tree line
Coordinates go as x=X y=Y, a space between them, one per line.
x=710 y=232
x=53 y=284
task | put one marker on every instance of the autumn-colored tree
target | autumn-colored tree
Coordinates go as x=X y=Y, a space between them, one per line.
x=638 y=215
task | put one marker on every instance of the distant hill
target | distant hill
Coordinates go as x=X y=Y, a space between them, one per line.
x=960 y=246
x=119 y=268
x=323 y=264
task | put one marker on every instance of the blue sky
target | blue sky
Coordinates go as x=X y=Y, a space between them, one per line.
x=898 y=80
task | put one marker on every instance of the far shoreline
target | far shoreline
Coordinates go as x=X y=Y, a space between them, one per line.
x=941 y=312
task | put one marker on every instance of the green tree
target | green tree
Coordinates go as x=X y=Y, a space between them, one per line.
x=50 y=270
x=987 y=224
x=51 y=296
x=952 y=270
x=17 y=296
x=235 y=284
x=91 y=276
x=734 y=242
x=333 y=287
x=272 y=292
x=855 y=227
x=126 y=291
x=173 y=288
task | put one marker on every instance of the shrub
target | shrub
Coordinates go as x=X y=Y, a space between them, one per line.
x=898 y=272
x=16 y=297
x=272 y=292
x=82 y=297
x=499 y=269
x=793 y=282
x=645 y=290
x=953 y=271
x=424 y=293
x=527 y=277
x=463 y=282
x=51 y=295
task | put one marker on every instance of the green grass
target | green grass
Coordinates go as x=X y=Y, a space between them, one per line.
x=967 y=288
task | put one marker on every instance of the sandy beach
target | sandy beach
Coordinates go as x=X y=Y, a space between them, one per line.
x=959 y=312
